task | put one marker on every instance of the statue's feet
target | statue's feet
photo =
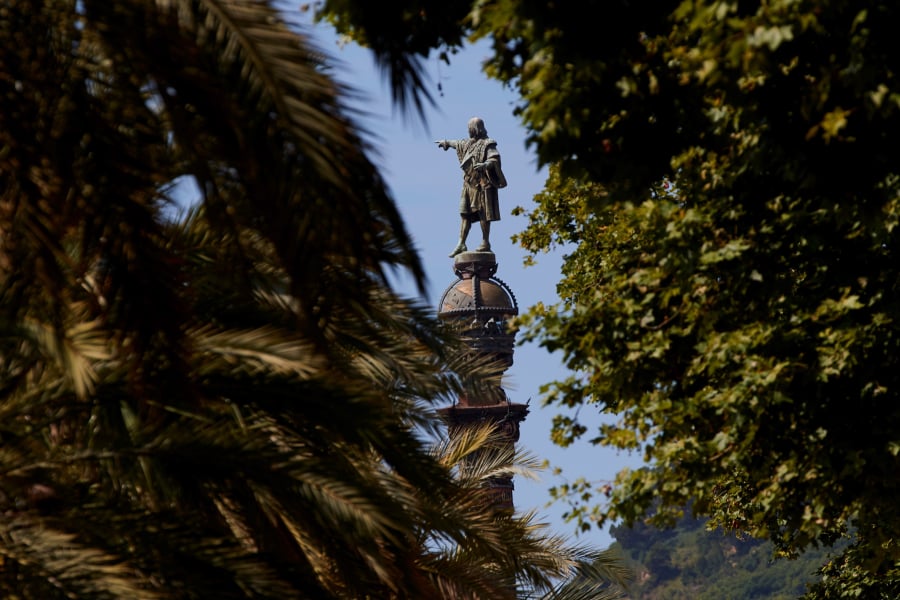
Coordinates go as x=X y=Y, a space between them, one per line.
x=460 y=248
x=484 y=247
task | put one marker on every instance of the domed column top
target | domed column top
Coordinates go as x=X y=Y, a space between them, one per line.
x=478 y=306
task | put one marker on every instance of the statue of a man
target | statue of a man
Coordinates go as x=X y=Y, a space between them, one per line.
x=482 y=177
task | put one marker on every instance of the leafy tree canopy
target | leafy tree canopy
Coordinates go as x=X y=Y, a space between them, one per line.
x=726 y=185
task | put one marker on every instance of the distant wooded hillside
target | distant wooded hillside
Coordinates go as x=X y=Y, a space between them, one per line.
x=691 y=563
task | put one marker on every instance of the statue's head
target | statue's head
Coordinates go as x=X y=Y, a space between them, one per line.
x=476 y=128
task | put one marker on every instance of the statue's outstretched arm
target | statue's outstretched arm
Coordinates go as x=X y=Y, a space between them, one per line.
x=445 y=144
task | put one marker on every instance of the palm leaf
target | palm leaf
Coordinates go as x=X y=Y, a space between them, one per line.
x=261 y=350
x=264 y=70
x=54 y=561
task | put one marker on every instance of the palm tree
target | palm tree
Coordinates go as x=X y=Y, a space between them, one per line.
x=536 y=563
x=222 y=403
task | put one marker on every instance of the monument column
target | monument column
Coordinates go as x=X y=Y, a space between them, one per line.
x=478 y=307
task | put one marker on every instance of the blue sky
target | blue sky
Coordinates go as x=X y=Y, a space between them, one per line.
x=425 y=182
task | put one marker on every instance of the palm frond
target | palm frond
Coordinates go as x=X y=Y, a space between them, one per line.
x=603 y=576
x=73 y=350
x=265 y=70
x=266 y=350
x=44 y=558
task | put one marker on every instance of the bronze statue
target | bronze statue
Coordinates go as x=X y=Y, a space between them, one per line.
x=482 y=177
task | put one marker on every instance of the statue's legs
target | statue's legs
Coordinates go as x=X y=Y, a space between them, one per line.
x=463 y=234
x=485 y=236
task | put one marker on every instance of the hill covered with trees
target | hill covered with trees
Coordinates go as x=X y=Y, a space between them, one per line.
x=690 y=562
